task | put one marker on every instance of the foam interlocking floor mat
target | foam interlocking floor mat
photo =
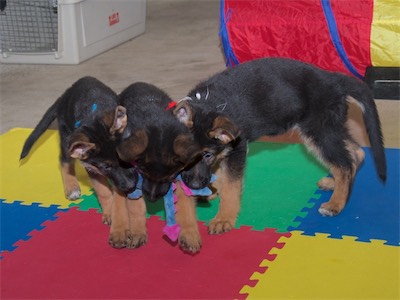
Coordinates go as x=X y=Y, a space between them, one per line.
x=281 y=248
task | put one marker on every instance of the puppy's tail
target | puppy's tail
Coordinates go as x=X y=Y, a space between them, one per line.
x=40 y=128
x=361 y=93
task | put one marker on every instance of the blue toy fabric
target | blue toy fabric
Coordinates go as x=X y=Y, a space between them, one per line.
x=171 y=229
x=137 y=193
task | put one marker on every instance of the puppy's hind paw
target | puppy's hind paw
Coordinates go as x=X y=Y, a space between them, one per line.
x=73 y=195
x=329 y=210
x=326 y=184
x=325 y=212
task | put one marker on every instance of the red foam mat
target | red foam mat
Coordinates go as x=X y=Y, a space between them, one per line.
x=71 y=259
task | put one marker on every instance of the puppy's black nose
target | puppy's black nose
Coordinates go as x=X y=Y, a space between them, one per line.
x=196 y=183
x=128 y=188
x=154 y=190
x=126 y=183
x=152 y=198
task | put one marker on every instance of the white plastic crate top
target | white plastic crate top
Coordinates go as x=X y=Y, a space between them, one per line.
x=87 y=28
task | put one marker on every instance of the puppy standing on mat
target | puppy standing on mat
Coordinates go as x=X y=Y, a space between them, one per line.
x=159 y=147
x=90 y=124
x=268 y=97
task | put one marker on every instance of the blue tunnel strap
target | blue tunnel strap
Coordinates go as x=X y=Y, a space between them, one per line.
x=231 y=59
x=334 y=33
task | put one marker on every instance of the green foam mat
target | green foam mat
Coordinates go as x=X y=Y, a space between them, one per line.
x=279 y=181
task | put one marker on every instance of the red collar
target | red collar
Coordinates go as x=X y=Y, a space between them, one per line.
x=171 y=105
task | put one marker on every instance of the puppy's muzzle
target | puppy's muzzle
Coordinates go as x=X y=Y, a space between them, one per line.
x=154 y=190
x=195 y=182
x=125 y=181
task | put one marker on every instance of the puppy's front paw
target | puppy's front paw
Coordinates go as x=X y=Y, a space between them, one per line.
x=120 y=239
x=218 y=226
x=190 y=240
x=137 y=240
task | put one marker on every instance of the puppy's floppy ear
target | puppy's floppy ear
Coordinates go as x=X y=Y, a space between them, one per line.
x=120 y=120
x=133 y=146
x=224 y=130
x=185 y=147
x=184 y=113
x=80 y=146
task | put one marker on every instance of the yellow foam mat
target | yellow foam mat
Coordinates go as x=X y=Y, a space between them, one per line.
x=36 y=179
x=318 y=267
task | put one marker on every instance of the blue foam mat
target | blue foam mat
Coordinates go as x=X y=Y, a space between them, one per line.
x=373 y=210
x=18 y=220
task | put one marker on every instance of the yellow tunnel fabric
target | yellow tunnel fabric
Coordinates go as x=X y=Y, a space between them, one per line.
x=385 y=34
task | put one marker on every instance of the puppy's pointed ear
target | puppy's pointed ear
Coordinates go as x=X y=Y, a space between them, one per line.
x=184 y=113
x=120 y=120
x=133 y=146
x=81 y=150
x=224 y=130
x=80 y=147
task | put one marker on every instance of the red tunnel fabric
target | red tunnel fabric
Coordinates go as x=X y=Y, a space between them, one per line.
x=297 y=29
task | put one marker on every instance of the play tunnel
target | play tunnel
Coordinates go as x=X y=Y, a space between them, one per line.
x=345 y=36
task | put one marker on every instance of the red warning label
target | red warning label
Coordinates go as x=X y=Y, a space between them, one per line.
x=113 y=19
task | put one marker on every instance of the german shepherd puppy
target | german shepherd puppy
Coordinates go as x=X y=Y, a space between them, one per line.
x=159 y=146
x=90 y=124
x=154 y=141
x=268 y=97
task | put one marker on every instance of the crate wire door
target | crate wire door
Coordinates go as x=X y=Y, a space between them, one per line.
x=28 y=26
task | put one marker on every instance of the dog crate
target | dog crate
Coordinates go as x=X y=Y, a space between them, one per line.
x=66 y=31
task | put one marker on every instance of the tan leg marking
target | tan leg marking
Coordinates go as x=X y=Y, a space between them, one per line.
x=189 y=236
x=120 y=234
x=215 y=187
x=230 y=192
x=326 y=183
x=104 y=195
x=71 y=185
x=357 y=155
x=137 y=222
x=343 y=181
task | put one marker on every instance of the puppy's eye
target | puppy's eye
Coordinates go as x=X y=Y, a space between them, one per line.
x=107 y=168
x=208 y=155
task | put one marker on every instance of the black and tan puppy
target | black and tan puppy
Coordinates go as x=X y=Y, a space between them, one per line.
x=268 y=97
x=154 y=141
x=90 y=124
x=160 y=146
